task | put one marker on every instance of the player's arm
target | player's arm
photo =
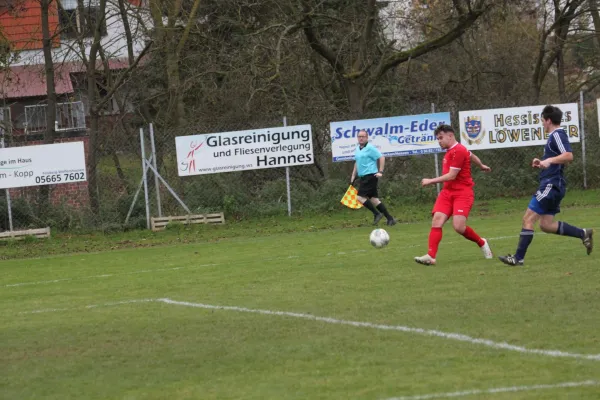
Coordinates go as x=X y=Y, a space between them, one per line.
x=457 y=162
x=475 y=160
x=563 y=158
x=353 y=177
x=450 y=176
x=561 y=142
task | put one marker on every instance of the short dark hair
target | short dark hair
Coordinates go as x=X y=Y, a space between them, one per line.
x=552 y=113
x=443 y=128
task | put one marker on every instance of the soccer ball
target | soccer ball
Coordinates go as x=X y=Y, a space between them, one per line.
x=379 y=238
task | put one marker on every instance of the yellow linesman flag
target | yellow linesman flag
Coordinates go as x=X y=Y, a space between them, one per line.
x=350 y=198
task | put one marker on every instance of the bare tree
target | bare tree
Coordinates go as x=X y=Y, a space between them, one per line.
x=48 y=39
x=47 y=44
x=92 y=54
x=171 y=45
x=552 y=41
x=360 y=60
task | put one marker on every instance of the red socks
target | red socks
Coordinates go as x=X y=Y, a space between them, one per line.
x=473 y=237
x=435 y=237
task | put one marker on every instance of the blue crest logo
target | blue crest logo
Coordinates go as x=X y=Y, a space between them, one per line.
x=473 y=130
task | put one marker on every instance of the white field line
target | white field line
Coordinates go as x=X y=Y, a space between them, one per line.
x=497 y=390
x=399 y=328
x=419 y=331
x=445 y=335
x=32 y=283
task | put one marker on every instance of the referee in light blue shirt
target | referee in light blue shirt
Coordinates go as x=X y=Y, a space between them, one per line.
x=369 y=168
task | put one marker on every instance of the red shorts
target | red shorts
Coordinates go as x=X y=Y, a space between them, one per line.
x=454 y=202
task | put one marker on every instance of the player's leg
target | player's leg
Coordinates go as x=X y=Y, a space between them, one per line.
x=549 y=225
x=441 y=212
x=461 y=208
x=435 y=237
x=365 y=193
x=383 y=210
x=380 y=206
x=459 y=223
x=365 y=201
x=526 y=236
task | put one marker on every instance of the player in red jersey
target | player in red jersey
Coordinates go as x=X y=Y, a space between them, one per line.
x=456 y=198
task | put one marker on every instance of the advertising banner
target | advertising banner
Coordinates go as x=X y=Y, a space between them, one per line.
x=393 y=136
x=244 y=150
x=512 y=127
x=46 y=164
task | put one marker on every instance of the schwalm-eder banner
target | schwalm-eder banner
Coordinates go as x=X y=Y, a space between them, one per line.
x=393 y=136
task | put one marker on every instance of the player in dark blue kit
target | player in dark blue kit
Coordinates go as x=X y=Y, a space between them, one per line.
x=545 y=204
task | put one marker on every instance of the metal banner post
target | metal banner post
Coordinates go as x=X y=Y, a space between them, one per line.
x=287 y=181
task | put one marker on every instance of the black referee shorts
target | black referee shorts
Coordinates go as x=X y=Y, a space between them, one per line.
x=368 y=186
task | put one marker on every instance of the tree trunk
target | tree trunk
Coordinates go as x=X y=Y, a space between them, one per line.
x=355 y=94
x=593 y=5
x=176 y=104
x=127 y=29
x=93 y=143
x=49 y=133
x=119 y=169
x=92 y=93
x=560 y=75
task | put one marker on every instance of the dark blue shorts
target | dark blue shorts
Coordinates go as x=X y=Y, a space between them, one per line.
x=546 y=201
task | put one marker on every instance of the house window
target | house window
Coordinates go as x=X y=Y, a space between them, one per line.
x=75 y=24
x=69 y=117
x=35 y=117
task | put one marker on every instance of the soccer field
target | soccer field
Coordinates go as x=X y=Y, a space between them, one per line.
x=308 y=315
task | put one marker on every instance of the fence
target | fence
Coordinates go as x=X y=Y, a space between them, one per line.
x=314 y=188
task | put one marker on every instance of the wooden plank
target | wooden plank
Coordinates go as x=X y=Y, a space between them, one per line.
x=38 y=233
x=160 y=223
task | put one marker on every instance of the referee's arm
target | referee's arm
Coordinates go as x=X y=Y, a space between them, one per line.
x=353 y=177
x=381 y=165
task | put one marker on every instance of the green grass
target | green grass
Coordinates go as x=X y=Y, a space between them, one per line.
x=322 y=266
x=405 y=211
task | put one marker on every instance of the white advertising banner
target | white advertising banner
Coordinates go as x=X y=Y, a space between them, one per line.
x=46 y=164
x=393 y=136
x=512 y=127
x=243 y=150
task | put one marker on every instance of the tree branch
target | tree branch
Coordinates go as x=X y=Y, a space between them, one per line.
x=465 y=21
x=127 y=29
x=316 y=44
x=366 y=35
x=124 y=75
x=188 y=26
